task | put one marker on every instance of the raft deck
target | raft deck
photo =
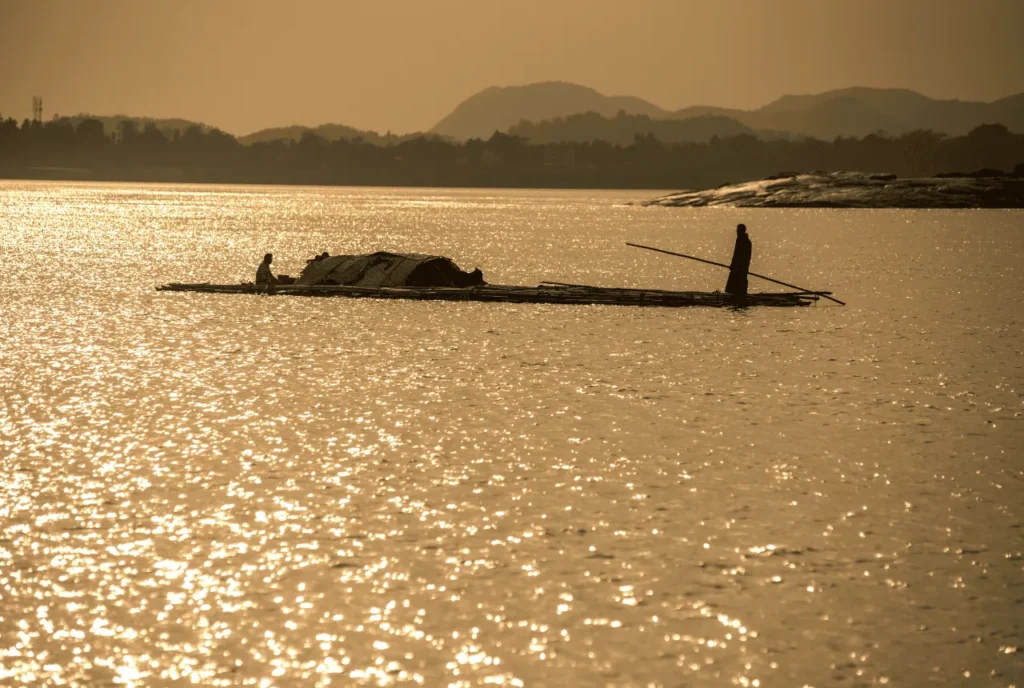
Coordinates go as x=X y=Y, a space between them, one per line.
x=545 y=293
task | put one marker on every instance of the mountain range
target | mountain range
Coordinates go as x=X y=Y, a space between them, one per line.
x=556 y=111
x=844 y=112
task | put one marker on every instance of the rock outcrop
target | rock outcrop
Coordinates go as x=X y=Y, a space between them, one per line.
x=858 y=190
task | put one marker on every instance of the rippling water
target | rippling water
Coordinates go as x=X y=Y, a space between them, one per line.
x=241 y=490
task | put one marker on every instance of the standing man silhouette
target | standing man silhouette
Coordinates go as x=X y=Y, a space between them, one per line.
x=740 y=265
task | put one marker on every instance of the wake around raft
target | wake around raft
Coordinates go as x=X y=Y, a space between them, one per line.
x=421 y=277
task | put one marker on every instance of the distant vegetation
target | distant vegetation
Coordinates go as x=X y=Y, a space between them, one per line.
x=62 y=148
x=114 y=123
x=330 y=132
x=624 y=129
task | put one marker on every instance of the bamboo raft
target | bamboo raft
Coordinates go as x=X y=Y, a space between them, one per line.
x=547 y=292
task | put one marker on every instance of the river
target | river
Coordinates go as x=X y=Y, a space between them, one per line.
x=275 y=491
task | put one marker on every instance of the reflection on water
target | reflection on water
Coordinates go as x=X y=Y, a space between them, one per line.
x=237 y=490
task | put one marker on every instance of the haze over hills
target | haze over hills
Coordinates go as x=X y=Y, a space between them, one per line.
x=844 y=112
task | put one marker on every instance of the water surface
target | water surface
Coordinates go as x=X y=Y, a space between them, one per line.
x=242 y=490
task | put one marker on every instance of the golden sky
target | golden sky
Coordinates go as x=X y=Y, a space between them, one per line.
x=403 y=64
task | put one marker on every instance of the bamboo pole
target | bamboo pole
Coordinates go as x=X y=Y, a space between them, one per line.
x=752 y=274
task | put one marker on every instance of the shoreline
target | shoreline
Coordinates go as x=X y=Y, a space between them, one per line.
x=87 y=175
x=832 y=190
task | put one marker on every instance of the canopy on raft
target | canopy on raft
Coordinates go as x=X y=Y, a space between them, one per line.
x=384 y=269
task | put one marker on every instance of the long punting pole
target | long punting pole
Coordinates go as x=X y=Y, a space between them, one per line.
x=752 y=274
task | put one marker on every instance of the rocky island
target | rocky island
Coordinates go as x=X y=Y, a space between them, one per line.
x=984 y=189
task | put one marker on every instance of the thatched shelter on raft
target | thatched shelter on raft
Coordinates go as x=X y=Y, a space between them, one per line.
x=383 y=269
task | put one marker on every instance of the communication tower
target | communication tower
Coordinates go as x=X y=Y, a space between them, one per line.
x=37 y=109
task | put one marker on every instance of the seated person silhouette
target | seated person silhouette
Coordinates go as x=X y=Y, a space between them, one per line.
x=264 y=277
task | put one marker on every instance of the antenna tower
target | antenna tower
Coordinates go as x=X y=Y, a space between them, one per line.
x=37 y=109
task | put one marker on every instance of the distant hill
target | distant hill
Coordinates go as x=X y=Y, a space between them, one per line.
x=844 y=112
x=1009 y=111
x=330 y=132
x=831 y=117
x=862 y=111
x=499 y=108
x=623 y=129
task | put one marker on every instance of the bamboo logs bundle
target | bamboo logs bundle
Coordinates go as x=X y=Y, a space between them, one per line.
x=549 y=292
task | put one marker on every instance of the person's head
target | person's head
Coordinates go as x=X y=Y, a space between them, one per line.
x=741 y=229
x=268 y=258
x=325 y=254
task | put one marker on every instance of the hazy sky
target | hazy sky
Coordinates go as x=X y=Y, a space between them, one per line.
x=404 y=64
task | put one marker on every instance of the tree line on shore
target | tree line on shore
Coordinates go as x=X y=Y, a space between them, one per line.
x=62 y=149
